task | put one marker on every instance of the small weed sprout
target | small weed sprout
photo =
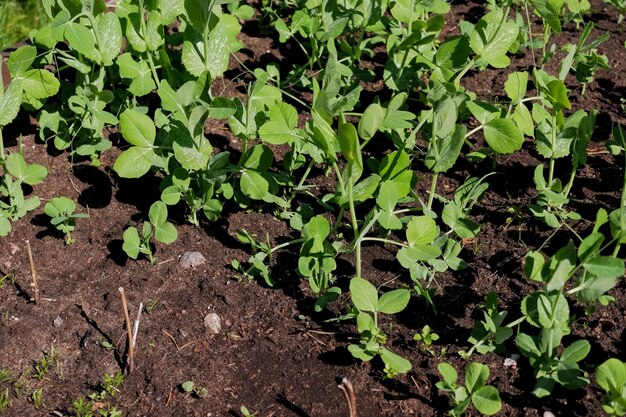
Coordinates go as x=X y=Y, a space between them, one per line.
x=246 y=413
x=5 y=375
x=37 y=399
x=5 y=400
x=62 y=216
x=426 y=339
x=191 y=388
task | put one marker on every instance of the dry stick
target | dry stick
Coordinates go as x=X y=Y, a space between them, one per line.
x=136 y=325
x=348 y=393
x=33 y=273
x=129 y=329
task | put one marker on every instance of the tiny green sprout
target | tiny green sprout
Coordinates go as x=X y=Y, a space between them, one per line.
x=7 y=279
x=47 y=361
x=191 y=388
x=5 y=375
x=246 y=413
x=151 y=305
x=82 y=407
x=5 y=400
x=426 y=337
x=61 y=210
x=37 y=399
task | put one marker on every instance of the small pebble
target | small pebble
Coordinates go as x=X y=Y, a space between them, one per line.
x=511 y=362
x=548 y=414
x=191 y=259
x=213 y=323
x=58 y=322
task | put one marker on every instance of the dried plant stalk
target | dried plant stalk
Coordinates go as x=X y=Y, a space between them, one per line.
x=33 y=273
x=129 y=329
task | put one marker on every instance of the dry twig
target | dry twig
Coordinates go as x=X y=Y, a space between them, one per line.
x=33 y=273
x=348 y=393
x=129 y=329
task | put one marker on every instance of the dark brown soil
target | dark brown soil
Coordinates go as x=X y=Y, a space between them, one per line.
x=274 y=355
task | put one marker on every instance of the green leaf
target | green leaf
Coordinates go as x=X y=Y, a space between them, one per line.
x=131 y=243
x=558 y=94
x=605 y=266
x=81 y=39
x=29 y=174
x=134 y=162
x=109 y=37
x=219 y=46
x=193 y=154
x=487 y=400
x=611 y=375
x=393 y=302
x=170 y=10
x=10 y=102
x=421 y=230
x=444 y=151
x=363 y=294
x=350 y=147
x=371 y=120
x=254 y=185
x=37 y=85
x=165 y=233
x=280 y=129
x=387 y=196
x=409 y=256
x=576 y=352
x=317 y=228
x=137 y=128
x=503 y=136
x=394 y=364
x=21 y=59
x=139 y=72
x=549 y=13
x=476 y=375
x=492 y=37
x=448 y=373
x=515 y=86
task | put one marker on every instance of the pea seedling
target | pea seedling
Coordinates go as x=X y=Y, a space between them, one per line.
x=61 y=211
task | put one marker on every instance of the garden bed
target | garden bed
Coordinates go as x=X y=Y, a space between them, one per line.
x=275 y=354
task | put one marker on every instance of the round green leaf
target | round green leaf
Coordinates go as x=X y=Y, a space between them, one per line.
x=487 y=400
x=364 y=294
x=503 y=136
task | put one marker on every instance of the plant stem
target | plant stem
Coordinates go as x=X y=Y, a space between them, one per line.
x=433 y=185
x=1 y=145
x=379 y=239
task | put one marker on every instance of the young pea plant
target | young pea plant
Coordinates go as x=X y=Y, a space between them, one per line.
x=485 y=398
x=490 y=333
x=611 y=376
x=557 y=136
x=16 y=171
x=372 y=344
x=548 y=309
x=157 y=227
x=425 y=339
x=191 y=388
x=62 y=216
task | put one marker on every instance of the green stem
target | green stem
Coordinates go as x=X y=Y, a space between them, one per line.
x=433 y=185
x=1 y=144
x=379 y=239
x=552 y=149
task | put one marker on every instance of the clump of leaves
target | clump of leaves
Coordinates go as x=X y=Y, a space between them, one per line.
x=365 y=298
x=158 y=227
x=61 y=211
x=426 y=338
x=191 y=388
x=611 y=376
x=485 y=398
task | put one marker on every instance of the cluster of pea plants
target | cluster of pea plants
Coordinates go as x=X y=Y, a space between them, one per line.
x=141 y=75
